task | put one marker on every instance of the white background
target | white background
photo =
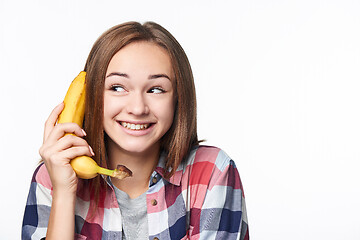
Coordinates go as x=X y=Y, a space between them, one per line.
x=277 y=84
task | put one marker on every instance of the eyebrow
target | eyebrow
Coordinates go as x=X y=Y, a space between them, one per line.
x=159 y=76
x=117 y=74
x=153 y=76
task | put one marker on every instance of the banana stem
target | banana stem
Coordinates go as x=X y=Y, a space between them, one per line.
x=105 y=171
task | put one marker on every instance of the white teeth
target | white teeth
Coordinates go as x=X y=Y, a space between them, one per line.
x=133 y=126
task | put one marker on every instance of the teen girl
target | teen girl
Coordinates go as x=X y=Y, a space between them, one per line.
x=141 y=113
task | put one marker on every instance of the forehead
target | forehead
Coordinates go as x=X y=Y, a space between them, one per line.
x=145 y=56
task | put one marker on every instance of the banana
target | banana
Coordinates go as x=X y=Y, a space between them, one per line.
x=74 y=101
x=74 y=109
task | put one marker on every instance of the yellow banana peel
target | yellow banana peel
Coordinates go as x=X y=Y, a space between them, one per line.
x=74 y=109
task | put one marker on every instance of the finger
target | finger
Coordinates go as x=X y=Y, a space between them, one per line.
x=60 y=130
x=69 y=141
x=71 y=153
x=52 y=147
x=66 y=141
x=61 y=158
x=51 y=121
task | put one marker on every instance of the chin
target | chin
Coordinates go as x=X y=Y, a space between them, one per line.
x=138 y=148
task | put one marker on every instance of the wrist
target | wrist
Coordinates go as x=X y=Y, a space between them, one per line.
x=63 y=196
x=65 y=189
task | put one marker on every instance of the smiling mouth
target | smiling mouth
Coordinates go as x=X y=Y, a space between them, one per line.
x=133 y=126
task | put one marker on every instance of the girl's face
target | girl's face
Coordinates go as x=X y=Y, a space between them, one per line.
x=138 y=97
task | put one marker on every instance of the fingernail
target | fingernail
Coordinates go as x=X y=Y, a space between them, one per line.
x=83 y=131
x=91 y=151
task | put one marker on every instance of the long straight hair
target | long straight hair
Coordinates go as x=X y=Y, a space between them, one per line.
x=182 y=135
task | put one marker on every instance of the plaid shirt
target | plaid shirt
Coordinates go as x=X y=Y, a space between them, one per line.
x=204 y=199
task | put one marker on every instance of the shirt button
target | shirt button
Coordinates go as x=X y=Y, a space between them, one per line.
x=154 y=180
x=154 y=203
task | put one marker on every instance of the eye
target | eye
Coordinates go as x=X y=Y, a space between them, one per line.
x=156 y=90
x=117 y=88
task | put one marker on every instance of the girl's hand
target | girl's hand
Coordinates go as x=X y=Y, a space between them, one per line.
x=59 y=148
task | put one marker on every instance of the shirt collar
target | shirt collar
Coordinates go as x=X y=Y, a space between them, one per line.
x=160 y=169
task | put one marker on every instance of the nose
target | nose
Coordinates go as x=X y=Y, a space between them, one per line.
x=137 y=105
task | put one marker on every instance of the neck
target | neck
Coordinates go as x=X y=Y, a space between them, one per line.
x=141 y=164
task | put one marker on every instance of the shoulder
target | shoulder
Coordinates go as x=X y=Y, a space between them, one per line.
x=41 y=176
x=208 y=165
x=209 y=155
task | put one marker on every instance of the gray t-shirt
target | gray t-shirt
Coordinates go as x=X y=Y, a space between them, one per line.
x=134 y=215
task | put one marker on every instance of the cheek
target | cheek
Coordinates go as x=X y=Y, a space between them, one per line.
x=167 y=113
x=111 y=109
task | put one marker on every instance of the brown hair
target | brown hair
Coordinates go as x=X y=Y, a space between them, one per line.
x=182 y=135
